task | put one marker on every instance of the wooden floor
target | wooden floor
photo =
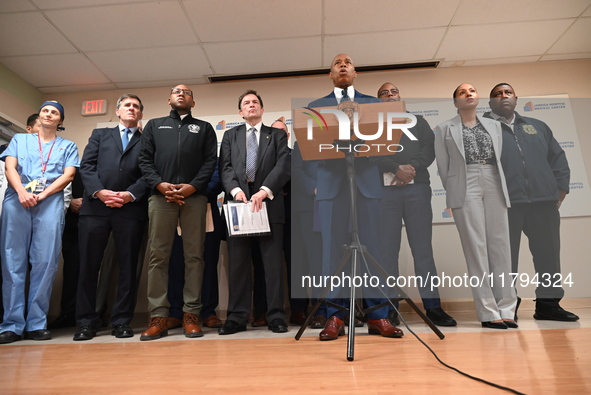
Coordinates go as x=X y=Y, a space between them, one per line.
x=539 y=358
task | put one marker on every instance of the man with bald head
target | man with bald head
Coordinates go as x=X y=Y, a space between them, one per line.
x=408 y=197
x=537 y=174
x=177 y=157
x=333 y=197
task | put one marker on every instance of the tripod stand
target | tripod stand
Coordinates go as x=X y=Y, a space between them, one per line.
x=354 y=251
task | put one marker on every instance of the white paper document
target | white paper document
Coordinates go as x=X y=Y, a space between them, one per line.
x=242 y=221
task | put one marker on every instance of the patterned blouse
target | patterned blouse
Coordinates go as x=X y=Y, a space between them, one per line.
x=478 y=145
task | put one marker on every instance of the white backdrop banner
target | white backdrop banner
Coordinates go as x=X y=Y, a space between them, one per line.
x=556 y=111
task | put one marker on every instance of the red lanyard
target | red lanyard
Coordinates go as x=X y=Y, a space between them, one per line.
x=44 y=165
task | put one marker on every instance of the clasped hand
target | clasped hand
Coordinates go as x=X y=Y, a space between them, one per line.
x=114 y=199
x=176 y=193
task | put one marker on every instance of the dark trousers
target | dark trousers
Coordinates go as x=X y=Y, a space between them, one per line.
x=306 y=259
x=540 y=222
x=71 y=271
x=411 y=204
x=239 y=275
x=336 y=229
x=93 y=235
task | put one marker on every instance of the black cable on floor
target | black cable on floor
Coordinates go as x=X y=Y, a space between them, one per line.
x=431 y=350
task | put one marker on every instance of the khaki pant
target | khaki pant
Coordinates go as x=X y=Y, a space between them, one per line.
x=164 y=218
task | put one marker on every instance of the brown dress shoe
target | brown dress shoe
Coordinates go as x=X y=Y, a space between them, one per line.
x=173 y=323
x=158 y=327
x=212 y=322
x=318 y=322
x=334 y=328
x=297 y=318
x=261 y=321
x=383 y=327
x=191 y=326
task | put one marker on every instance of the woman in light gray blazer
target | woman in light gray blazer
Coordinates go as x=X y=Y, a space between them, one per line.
x=468 y=152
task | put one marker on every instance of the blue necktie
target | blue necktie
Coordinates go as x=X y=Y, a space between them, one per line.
x=345 y=96
x=125 y=138
x=252 y=151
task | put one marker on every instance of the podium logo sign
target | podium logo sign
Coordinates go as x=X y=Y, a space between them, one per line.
x=348 y=123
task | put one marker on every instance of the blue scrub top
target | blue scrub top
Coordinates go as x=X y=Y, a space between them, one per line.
x=25 y=148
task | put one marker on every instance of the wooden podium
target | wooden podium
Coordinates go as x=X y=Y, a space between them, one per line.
x=325 y=130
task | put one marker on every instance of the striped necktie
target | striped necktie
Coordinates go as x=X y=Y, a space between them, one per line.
x=252 y=151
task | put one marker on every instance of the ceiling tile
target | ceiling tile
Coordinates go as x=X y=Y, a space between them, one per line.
x=56 y=70
x=129 y=26
x=15 y=5
x=369 y=49
x=217 y=21
x=576 y=39
x=17 y=37
x=264 y=56
x=150 y=64
x=484 y=62
x=566 y=56
x=56 y=4
x=501 y=40
x=475 y=12
x=170 y=83
x=78 y=88
x=356 y=16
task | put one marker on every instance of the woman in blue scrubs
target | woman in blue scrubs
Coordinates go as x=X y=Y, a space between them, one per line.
x=38 y=167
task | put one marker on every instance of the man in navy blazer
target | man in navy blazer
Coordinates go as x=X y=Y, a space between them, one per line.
x=115 y=200
x=266 y=184
x=333 y=197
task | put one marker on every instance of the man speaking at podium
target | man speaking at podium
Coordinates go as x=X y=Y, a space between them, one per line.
x=334 y=209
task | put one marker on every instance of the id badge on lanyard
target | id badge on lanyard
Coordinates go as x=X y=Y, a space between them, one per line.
x=40 y=183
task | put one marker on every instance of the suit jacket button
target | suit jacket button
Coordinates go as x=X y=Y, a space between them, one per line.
x=120 y=169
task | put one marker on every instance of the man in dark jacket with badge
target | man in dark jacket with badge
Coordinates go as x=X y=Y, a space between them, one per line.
x=177 y=159
x=538 y=176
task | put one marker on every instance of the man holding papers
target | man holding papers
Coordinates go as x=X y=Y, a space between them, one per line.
x=254 y=167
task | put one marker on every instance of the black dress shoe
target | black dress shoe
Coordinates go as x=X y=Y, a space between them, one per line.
x=511 y=324
x=85 y=332
x=41 y=334
x=550 y=310
x=494 y=325
x=8 y=337
x=440 y=317
x=230 y=327
x=278 y=326
x=122 y=330
x=62 y=321
x=516 y=308
x=393 y=318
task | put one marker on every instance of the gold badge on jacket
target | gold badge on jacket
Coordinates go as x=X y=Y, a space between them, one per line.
x=529 y=129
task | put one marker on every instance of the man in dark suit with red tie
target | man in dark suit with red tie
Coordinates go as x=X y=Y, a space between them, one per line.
x=254 y=166
x=115 y=200
x=334 y=209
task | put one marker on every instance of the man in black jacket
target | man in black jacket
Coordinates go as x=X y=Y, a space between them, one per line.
x=407 y=196
x=538 y=176
x=177 y=158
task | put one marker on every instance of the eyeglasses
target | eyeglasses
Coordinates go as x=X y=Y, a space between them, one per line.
x=386 y=92
x=178 y=91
